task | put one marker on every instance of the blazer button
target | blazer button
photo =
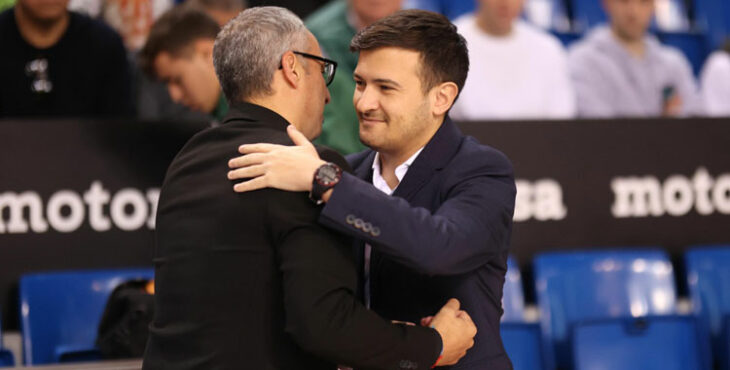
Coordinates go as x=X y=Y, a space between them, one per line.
x=376 y=231
x=350 y=219
x=368 y=227
x=359 y=223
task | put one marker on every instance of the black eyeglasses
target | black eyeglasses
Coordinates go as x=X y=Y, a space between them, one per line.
x=328 y=66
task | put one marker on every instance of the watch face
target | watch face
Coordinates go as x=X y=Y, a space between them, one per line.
x=328 y=175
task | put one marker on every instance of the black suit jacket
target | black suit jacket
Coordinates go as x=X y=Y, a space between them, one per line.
x=250 y=281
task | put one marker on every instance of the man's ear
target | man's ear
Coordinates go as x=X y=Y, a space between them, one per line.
x=290 y=69
x=204 y=47
x=443 y=97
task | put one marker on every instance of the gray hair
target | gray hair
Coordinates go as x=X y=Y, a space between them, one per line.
x=248 y=50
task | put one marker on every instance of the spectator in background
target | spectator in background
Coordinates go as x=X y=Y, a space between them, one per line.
x=59 y=63
x=4 y=4
x=715 y=81
x=179 y=52
x=620 y=70
x=220 y=10
x=518 y=71
x=334 y=26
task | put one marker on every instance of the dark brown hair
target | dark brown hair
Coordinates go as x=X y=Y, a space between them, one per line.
x=444 y=56
x=174 y=32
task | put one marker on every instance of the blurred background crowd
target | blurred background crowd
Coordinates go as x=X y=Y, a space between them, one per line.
x=530 y=59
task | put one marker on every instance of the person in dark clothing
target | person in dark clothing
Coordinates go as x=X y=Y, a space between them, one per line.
x=57 y=63
x=250 y=281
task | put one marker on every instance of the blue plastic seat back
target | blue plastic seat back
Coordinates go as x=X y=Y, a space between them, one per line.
x=693 y=45
x=713 y=18
x=513 y=299
x=587 y=14
x=708 y=279
x=523 y=345
x=657 y=343
x=580 y=286
x=60 y=311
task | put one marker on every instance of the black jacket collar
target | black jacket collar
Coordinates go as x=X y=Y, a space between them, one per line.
x=243 y=111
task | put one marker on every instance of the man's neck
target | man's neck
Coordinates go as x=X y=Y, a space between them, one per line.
x=388 y=164
x=40 y=34
x=278 y=105
x=493 y=28
x=635 y=47
x=390 y=160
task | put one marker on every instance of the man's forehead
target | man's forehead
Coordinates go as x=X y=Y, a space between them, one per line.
x=384 y=61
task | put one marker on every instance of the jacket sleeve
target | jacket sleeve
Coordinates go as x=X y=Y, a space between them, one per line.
x=471 y=226
x=322 y=314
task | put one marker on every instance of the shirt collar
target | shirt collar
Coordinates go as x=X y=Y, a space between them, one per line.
x=400 y=171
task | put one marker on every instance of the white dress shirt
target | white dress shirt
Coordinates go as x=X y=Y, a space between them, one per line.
x=380 y=183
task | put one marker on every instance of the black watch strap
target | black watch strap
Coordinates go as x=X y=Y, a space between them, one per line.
x=325 y=178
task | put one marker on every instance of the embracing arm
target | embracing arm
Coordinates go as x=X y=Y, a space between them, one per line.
x=471 y=225
x=323 y=315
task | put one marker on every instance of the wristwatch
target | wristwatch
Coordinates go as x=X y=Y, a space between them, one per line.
x=325 y=178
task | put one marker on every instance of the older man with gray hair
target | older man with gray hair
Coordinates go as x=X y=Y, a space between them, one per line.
x=250 y=281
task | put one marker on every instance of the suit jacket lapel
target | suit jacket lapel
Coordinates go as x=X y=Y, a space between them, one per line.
x=435 y=156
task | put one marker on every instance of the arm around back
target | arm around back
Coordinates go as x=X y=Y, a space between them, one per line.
x=322 y=314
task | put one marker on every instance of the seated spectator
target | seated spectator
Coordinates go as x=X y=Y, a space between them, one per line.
x=179 y=52
x=334 y=26
x=619 y=70
x=517 y=70
x=715 y=81
x=57 y=63
x=220 y=10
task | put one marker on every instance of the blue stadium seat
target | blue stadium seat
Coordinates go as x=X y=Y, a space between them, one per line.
x=61 y=311
x=522 y=342
x=656 y=343
x=521 y=339
x=587 y=14
x=513 y=300
x=692 y=44
x=580 y=286
x=6 y=357
x=713 y=18
x=708 y=278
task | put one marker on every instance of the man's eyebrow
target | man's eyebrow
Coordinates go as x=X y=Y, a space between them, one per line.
x=378 y=80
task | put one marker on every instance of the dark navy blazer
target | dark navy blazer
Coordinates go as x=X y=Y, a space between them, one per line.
x=444 y=233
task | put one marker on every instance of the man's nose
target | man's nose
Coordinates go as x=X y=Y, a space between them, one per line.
x=366 y=100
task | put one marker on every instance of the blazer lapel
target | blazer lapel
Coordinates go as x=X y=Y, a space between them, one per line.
x=435 y=156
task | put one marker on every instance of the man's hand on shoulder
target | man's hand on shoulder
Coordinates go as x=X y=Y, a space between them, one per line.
x=281 y=167
x=457 y=332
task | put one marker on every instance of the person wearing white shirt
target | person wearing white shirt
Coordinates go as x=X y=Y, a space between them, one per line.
x=620 y=70
x=518 y=71
x=715 y=82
